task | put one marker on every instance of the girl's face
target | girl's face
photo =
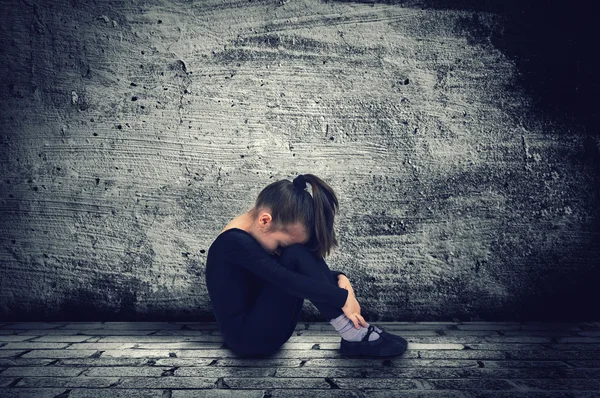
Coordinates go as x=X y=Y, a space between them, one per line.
x=274 y=239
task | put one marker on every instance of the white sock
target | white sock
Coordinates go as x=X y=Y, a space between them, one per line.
x=346 y=328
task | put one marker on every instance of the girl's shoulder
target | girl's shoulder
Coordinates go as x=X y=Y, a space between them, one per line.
x=228 y=239
x=230 y=230
x=233 y=234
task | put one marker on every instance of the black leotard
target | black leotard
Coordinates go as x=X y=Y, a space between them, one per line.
x=236 y=257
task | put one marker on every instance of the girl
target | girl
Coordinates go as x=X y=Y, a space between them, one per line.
x=267 y=260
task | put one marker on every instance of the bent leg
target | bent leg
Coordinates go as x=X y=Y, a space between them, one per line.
x=275 y=313
x=269 y=323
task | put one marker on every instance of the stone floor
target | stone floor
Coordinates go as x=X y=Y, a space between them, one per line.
x=186 y=359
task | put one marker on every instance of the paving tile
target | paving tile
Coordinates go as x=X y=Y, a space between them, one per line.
x=10 y=353
x=585 y=363
x=296 y=393
x=439 y=346
x=31 y=392
x=25 y=345
x=190 y=345
x=455 y=354
x=489 y=326
x=140 y=353
x=427 y=372
x=24 y=361
x=575 y=347
x=506 y=346
x=121 y=325
x=58 y=353
x=366 y=393
x=103 y=362
x=366 y=372
x=507 y=373
x=413 y=394
x=517 y=339
x=583 y=339
x=81 y=326
x=221 y=353
x=377 y=383
x=114 y=393
x=227 y=362
x=167 y=382
x=275 y=382
x=59 y=339
x=371 y=363
x=470 y=384
x=221 y=393
x=101 y=346
x=552 y=326
x=535 y=394
x=183 y=332
x=560 y=384
x=199 y=326
x=66 y=382
x=445 y=339
x=216 y=372
x=552 y=354
x=91 y=332
x=127 y=371
x=9 y=338
x=462 y=333
x=34 y=325
x=22 y=371
x=399 y=326
x=540 y=333
x=523 y=364
x=160 y=339
x=484 y=323
x=116 y=362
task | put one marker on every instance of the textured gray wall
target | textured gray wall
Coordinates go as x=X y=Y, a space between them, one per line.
x=132 y=132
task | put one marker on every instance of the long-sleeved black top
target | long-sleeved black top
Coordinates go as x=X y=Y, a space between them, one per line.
x=237 y=265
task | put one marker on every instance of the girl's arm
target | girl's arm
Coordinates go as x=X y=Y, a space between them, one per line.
x=246 y=252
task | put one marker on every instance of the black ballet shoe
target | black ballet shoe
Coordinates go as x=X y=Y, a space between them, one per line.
x=382 y=347
x=399 y=339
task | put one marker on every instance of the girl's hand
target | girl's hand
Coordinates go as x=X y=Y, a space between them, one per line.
x=352 y=310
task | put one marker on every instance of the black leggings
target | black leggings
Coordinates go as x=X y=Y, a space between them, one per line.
x=273 y=317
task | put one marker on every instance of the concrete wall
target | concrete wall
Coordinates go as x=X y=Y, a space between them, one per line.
x=132 y=132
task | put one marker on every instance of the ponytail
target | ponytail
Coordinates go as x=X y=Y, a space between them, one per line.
x=290 y=203
x=325 y=205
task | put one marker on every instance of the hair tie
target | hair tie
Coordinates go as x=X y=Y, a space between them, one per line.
x=300 y=182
